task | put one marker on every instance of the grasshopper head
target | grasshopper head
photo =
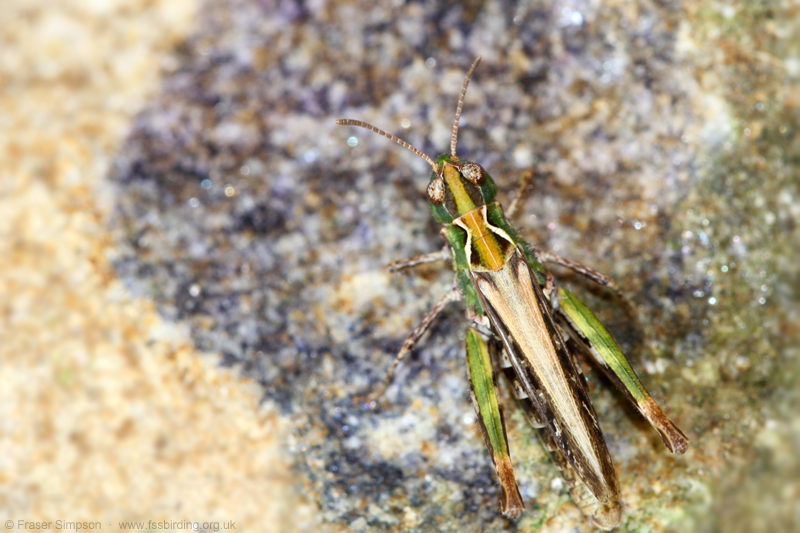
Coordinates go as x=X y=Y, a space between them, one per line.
x=458 y=187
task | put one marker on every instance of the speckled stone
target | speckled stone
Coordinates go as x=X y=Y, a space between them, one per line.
x=108 y=412
x=663 y=139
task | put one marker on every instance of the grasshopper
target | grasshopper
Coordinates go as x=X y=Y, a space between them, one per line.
x=514 y=302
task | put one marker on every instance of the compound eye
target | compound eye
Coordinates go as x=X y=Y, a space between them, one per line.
x=474 y=173
x=436 y=191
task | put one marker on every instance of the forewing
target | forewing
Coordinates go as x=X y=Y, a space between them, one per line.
x=521 y=317
x=580 y=493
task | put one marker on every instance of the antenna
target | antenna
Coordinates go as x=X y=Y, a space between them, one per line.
x=454 y=136
x=401 y=142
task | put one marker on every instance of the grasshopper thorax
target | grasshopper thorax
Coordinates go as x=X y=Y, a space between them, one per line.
x=456 y=187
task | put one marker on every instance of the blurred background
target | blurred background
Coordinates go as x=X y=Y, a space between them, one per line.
x=191 y=283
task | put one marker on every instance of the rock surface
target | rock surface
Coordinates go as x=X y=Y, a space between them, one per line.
x=663 y=137
x=108 y=413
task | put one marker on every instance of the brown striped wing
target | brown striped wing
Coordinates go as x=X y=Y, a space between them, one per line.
x=521 y=317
